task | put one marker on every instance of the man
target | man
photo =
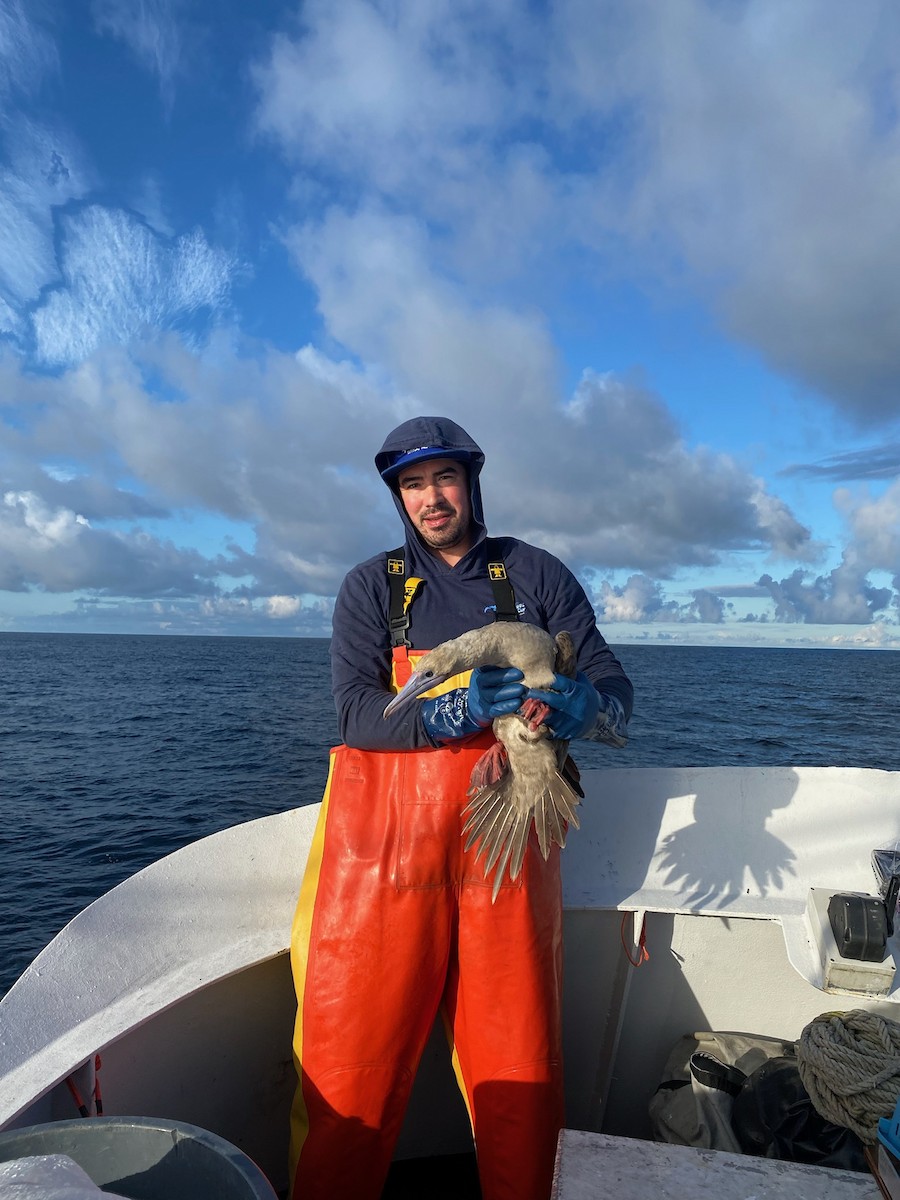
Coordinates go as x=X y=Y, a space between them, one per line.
x=395 y=919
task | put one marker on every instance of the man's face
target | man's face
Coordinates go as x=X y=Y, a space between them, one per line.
x=435 y=494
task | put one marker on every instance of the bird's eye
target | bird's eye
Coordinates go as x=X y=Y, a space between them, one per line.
x=428 y=674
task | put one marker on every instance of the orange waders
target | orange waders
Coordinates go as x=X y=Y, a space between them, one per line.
x=395 y=921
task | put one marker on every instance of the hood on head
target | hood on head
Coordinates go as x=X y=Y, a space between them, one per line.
x=425 y=438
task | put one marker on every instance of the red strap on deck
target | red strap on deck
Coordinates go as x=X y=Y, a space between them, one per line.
x=643 y=952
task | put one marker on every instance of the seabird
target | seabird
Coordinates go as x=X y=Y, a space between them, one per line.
x=527 y=775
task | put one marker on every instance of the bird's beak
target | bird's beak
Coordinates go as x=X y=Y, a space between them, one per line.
x=418 y=682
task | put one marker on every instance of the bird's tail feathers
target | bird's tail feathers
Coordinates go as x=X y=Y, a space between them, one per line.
x=500 y=827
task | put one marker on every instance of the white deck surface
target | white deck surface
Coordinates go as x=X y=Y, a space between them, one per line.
x=594 y=1166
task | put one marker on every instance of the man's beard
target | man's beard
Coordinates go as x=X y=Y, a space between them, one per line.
x=448 y=535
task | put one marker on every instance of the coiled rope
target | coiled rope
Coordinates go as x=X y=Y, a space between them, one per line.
x=850 y=1065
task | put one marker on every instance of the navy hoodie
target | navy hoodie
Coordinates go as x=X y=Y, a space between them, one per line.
x=450 y=601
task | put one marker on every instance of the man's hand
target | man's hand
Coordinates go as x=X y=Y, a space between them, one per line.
x=578 y=710
x=492 y=692
x=574 y=706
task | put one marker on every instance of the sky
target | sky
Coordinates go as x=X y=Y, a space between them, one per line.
x=647 y=254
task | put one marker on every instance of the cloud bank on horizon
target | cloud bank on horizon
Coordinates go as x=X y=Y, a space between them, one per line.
x=644 y=253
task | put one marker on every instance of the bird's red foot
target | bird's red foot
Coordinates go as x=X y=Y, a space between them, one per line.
x=534 y=712
x=489 y=768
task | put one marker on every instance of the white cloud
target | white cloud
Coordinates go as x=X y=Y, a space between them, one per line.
x=76 y=277
x=842 y=597
x=44 y=170
x=285 y=444
x=874 y=523
x=443 y=117
x=638 y=599
x=642 y=600
x=382 y=298
x=59 y=551
x=10 y=321
x=846 y=594
x=151 y=30
x=425 y=87
x=121 y=280
x=784 y=533
x=52 y=527
x=707 y=607
x=273 y=442
x=27 y=52
x=72 y=278
x=750 y=153
x=770 y=157
x=149 y=202
x=642 y=498
x=632 y=493
x=281 y=607
x=101 y=614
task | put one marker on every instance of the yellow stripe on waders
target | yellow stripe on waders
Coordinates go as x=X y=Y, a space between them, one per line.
x=300 y=938
x=457 y=1067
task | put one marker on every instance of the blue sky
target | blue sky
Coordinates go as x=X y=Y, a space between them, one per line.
x=646 y=253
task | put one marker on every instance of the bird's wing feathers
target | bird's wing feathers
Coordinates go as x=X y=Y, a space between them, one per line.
x=566 y=658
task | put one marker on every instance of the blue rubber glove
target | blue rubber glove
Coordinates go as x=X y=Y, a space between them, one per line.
x=492 y=692
x=574 y=706
x=579 y=710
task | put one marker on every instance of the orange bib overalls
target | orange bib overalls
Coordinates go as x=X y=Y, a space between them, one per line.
x=394 y=923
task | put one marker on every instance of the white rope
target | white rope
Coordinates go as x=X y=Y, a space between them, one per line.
x=850 y=1065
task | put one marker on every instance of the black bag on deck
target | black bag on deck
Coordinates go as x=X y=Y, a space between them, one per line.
x=773 y=1116
x=742 y=1093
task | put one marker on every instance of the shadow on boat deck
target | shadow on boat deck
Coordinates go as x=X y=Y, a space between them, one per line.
x=448 y=1177
x=445 y=1177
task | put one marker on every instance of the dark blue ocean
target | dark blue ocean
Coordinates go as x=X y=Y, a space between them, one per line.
x=115 y=750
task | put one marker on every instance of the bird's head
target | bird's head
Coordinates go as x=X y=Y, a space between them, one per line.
x=433 y=669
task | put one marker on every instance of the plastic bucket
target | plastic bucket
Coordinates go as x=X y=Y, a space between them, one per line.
x=146 y=1158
